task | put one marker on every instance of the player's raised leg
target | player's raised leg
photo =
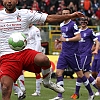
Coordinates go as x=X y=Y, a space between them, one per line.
x=44 y=62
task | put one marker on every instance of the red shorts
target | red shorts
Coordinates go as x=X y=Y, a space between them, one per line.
x=13 y=64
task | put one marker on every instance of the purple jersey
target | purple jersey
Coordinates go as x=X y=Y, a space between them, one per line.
x=87 y=39
x=98 y=55
x=69 y=30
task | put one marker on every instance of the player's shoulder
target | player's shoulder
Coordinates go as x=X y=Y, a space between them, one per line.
x=23 y=11
x=90 y=30
x=2 y=11
x=26 y=11
x=34 y=28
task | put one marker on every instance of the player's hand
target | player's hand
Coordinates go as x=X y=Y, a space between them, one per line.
x=77 y=15
x=95 y=52
x=62 y=39
x=58 y=44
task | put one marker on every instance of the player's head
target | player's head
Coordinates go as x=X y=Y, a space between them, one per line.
x=10 y=5
x=83 y=21
x=66 y=11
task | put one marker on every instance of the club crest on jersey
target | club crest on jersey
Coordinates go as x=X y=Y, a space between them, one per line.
x=66 y=29
x=18 y=18
x=84 y=34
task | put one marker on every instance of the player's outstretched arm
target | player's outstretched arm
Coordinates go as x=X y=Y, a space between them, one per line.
x=60 y=18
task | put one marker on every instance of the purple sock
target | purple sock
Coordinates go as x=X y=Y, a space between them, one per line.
x=87 y=85
x=60 y=82
x=78 y=85
x=92 y=81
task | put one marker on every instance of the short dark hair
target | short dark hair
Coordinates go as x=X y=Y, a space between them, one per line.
x=68 y=9
x=84 y=18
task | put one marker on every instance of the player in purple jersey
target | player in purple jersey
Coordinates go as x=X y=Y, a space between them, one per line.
x=69 y=55
x=96 y=60
x=13 y=62
x=88 y=38
x=96 y=63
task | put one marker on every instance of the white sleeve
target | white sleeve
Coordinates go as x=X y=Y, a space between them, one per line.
x=36 y=16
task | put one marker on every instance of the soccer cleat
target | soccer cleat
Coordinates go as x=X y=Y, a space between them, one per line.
x=74 y=96
x=36 y=94
x=24 y=92
x=91 y=97
x=22 y=97
x=97 y=94
x=57 y=98
x=57 y=88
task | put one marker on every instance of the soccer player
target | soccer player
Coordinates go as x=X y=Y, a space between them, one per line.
x=96 y=63
x=34 y=42
x=13 y=62
x=88 y=38
x=69 y=55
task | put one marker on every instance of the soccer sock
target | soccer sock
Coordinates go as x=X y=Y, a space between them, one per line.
x=61 y=83
x=46 y=76
x=92 y=81
x=21 y=82
x=87 y=85
x=17 y=89
x=78 y=85
x=38 y=83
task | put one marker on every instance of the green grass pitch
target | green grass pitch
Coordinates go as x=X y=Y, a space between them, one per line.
x=46 y=94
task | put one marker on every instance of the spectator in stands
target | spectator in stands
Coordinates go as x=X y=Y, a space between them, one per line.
x=87 y=7
x=72 y=6
x=1 y=7
x=98 y=15
x=61 y=4
x=43 y=6
x=59 y=11
x=54 y=2
x=47 y=2
x=94 y=19
x=35 y=5
x=95 y=5
x=51 y=9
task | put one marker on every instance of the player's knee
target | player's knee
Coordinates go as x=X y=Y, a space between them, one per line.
x=42 y=60
x=6 y=89
x=98 y=82
x=45 y=61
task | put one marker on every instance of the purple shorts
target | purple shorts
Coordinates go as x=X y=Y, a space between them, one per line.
x=73 y=61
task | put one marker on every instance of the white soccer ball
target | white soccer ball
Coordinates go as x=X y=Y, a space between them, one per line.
x=17 y=41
